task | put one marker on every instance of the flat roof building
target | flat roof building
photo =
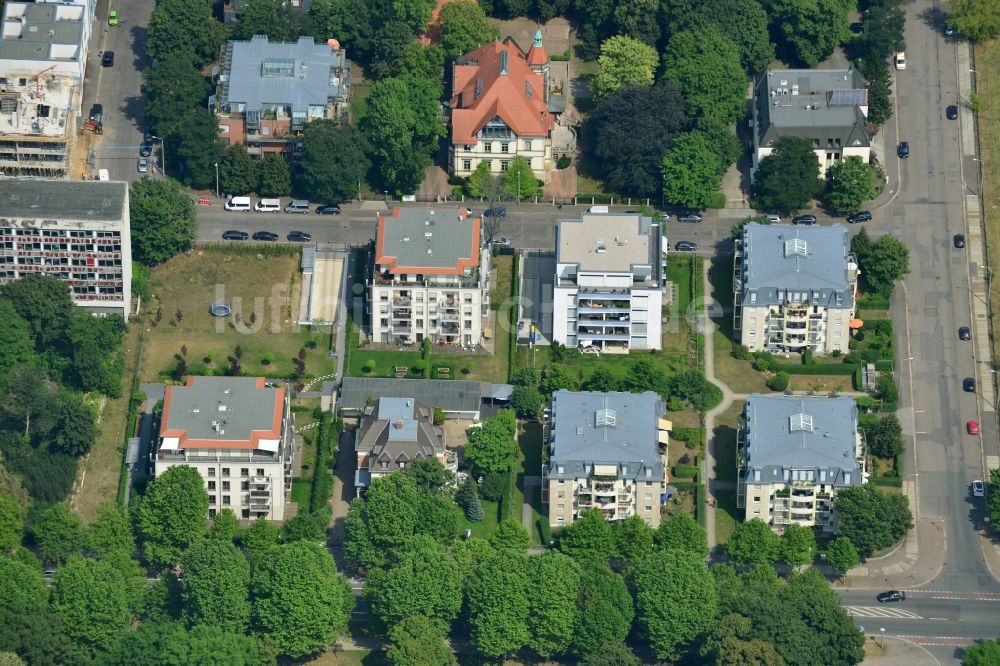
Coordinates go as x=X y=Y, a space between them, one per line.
x=76 y=231
x=457 y=398
x=40 y=36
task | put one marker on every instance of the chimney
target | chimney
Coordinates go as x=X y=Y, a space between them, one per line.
x=398 y=425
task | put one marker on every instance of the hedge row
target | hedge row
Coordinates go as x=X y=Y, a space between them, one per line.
x=887 y=481
x=686 y=471
x=686 y=486
x=694 y=436
x=515 y=293
x=817 y=369
x=873 y=303
x=322 y=486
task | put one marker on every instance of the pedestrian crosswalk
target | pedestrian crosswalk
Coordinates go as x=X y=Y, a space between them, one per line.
x=881 y=611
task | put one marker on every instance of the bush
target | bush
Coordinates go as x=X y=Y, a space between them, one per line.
x=742 y=353
x=778 y=382
x=564 y=161
x=716 y=200
x=836 y=353
x=807 y=357
x=690 y=435
x=762 y=361
x=369 y=365
x=456 y=180
x=675 y=404
x=686 y=471
x=493 y=486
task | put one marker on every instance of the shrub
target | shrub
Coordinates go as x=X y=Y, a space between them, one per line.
x=762 y=361
x=778 y=382
x=369 y=365
x=456 y=180
x=493 y=486
x=685 y=471
x=836 y=353
x=807 y=357
x=741 y=353
x=563 y=162
x=675 y=404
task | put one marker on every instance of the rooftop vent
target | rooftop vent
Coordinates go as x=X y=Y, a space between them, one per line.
x=800 y=423
x=605 y=418
x=398 y=425
x=795 y=246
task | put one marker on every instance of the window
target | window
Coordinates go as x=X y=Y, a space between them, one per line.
x=225 y=485
x=649 y=497
x=648 y=508
x=504 y=164
x=488 y=147
x=757 y=498
x=561 y=506
x=211 y=471
x=246 y=513
x=756 y=512
x=211 y=513
x=560 y=519
x=211 y=499
x=211 y=485
x=562 y=495
x=466 y=165
x=225 y=471
x=260 y=471
x=225 y=500
x=402 y=464
x=649 y=484
x=504 y=147
x=526 y=144
x=245 y=472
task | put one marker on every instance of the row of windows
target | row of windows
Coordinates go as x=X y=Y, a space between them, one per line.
x=58 y=233
x=244 y=471
x=467 y=324
x=467 y=165
x=245 y=513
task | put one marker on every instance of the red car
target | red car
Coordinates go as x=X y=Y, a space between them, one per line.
x=972 y=427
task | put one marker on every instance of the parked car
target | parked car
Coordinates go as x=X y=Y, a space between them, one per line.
x=951 y=112
x=299 y=237
x=501 y=241
x=774 y=218
x=142 y=165
x=235 y=235
x=891 y=595
x=804 y=219
x=499 y=211
x=972 y=427
x=265 y=236
x=857 y=27
x=949 y=30
x=329 y=209
x=96 y=112
x=860 y=216
x=108 y=59
x=145 y=150
x=685 y=246
x=965 y=333
x=969 y=385
x=900 y=60
x=904 y=149
x=978 y=489
x=689 y=217
x=959 y=240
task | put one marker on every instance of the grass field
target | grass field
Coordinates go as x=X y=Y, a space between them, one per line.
x=725 y=515
x=820 y=383
x=988 y=85
x=262 y=290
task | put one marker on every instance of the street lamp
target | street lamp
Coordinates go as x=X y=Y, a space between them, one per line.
x=881 y=631
x=217 y=179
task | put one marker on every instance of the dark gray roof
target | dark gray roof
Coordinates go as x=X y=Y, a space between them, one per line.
x=62 y=199
x=615 y=428
x=300 y=74
x=816 y=437
x=785 y=263
x=221 y=408
x=423 y=238
x=43 y=25
x=451 y=395
x=822 y=105
x=398 y=430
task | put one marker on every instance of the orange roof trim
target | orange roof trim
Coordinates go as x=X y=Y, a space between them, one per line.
x=463 y=263
x=274 y=432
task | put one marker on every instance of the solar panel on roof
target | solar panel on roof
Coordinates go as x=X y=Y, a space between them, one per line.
x=848 y=97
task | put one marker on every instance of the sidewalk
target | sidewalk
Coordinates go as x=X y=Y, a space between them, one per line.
x=915 y=562
x=888 y=651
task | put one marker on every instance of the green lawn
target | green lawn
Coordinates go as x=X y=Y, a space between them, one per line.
x=301 y=491
x=485 y=528
x=725 y=442
x=529 y=462
x=725 y=515
x=359 y=100
x=582 y=366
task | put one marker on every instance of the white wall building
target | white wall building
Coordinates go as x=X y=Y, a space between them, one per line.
x=794 y=287
x=45 y=36
x=77 y=231
x=430 y=278
x=609 y=282
x=239 y=434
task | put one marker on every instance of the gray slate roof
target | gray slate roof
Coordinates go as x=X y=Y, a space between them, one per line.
x=300 y=74
x=579 y=442
x=432 y=239
x=773 y=273
x=247 y=408
x=815 y=104
x=774 y=447
x=451 y=395
x=62 y=199
x=398 y=430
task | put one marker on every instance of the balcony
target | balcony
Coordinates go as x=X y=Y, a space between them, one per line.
x=260 y=482
x=604 y=488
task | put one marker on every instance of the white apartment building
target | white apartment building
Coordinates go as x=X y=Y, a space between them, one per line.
x=238 y=432
x=606 y=451
x=829 y=107
x=793 y=454
x=794 y=288
x=501 y=108
x=430 y=278
x=50 y=37
x=77 y=231
x=609 y=282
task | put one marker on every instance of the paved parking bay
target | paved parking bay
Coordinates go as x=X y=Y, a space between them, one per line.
x=537 y=272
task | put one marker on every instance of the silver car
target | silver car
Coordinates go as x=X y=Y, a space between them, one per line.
x=142 y=165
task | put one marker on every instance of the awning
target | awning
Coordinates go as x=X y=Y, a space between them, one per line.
x=856 y=324
x=666 y=425
x=664 y=437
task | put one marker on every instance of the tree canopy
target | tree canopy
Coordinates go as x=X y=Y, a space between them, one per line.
x=983 y=653
x=842 y=555
x=58 y=533
x=872 y=519
x=753 y=542
x=682 y=532
x=587 y=536
x=553 y=590
x=882 y=262
x=162 y=218
x=623 y=62
x=416 y=641
x=334 y=161
x=691 y=172
x=215 y=589
x=979 y=20
x=92 y=598
x=798 y=545
x=706 y=68
x=171 y=644
x=604 y=609
x=787 y=179
x=184 y=27
x=275 y=176
x=464 y=27
x=173 y=514
x=497 y=603
x=22 y=587
x=850 y=183
x=11 y=523
x=809 y=31
x=492 y=448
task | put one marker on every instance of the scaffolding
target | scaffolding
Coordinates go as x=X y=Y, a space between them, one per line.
x=37 y=117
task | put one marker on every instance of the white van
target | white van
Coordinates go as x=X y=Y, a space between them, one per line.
x=598 y=209
x=268 y=206
x=297 y=206
x=103 y=175
x=239 y=204
x=901 y=60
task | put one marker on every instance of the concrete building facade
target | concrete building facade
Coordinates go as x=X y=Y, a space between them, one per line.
x=609 y=283
x=238 y=432
x=793 y=454
x=828 y=107
x=795 y=288
x=430 y=279
x=606 y=451
x=77 y=231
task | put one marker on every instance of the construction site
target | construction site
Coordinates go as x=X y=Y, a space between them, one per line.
x=38 y=123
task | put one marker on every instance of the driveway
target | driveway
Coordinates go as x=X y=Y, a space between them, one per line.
x=538 y=270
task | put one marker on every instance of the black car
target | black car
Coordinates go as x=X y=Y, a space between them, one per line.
x=499 y=211
x=299 y=237
x=891 y=595
x=689 y=217
x=951 y=112
x=965 y=333
x=804 y=219
x=969 y=385
x=265 y=236
x=857 y=28
x=235 y=235
x=97 y=112
x=329 y=209
x=959 y=240
x=860 y=216
x=145 y=150
x=904 y=149
x=685 y=246
x=108 y=59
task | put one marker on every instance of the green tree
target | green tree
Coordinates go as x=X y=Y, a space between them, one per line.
x=11 y=659
x=261 y=17
x=787 y=179
x=423 y=61
x=808 y=31
x=705 y=66
x=510 y=534
x=527 y=402
x=842 y=555
x=171 y=87
x=983 y=653
x=224 y=525
x=637 y=19
x=77 y=429
x=734 y=652
x=416 y=641
x=588 y=536
x=885 y=440
x=872 y=519
x=887 y=261
x=170 y=644
x=414 y=13
x=798 y=545
x=633 y=539
x=623 y=62
x=464 y=27
x=22 y=587
x=425 y=581
x=604 y=609
x=19 y=345
x=753 y=542
x=675 y=598
x=682 y=532
x=11 y=521
x=602 y=380
x=110 y=537
x=162 y=218
x=215 y=589
x=275 y=176
x=553 y=589
x=880 y=105
x=172 y=515
x=993 y=496
x=557 y=378
x=613 y=654
x=184 y=27
x=38 y=636
x=978 y=20
x=45 y=303
x=691 y=173
x=519 y=181
x=849 y=185
x=492 y=448
x=497 y=603
x=92 y=599
x=197 y=148
x=238 y=171
x=482 y=182
x=468 y=553
x=301 y=604
x=744 y=22
x=259 y=537
x=334 y=161
x=430 y=475
x=58 y=533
